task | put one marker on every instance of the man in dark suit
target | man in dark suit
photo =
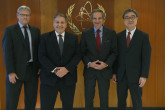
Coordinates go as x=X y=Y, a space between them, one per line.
x=133 y=61
x=99 y=49
x=20 y=49
x=59 y=55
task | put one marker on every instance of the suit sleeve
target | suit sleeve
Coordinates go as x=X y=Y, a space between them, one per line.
x=42 y=56
x=38 y=39
x=113 y=51
x=8 y=51
x=83 y=48
x=75 y=59
x=146 y=56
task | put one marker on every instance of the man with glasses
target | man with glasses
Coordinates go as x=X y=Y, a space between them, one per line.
x=20 y=50
x=133 y=62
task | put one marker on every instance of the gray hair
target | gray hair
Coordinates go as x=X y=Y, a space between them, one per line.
x=97 y=10
x=60 y=15
x=23 y=8
x=129 y=10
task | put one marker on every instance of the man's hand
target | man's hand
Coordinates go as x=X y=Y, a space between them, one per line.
x=38 y=71
x=114 y=78
x=142 y=81
x=94 y=64
x=61 y=71
x=13 y=77
x=98 y=65
x=101 y=65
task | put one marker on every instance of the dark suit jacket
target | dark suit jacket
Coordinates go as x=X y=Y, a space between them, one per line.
x=49 y=57
x=134 y=60
x=15 y=51
x=107 y=54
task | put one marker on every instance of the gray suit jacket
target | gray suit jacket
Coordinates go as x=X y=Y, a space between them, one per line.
x=107 y=54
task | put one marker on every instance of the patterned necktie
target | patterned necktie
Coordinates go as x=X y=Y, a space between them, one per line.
x=128 y=39
x=27 y=43
x=98 y=40
x=60 y=43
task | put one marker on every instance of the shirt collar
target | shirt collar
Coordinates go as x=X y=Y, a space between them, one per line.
x=57 y=34
x=21 y=26
x=132 y=32
x=101 y=29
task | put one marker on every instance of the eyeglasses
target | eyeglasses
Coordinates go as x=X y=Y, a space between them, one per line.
x=23 y=15
x=132 y=17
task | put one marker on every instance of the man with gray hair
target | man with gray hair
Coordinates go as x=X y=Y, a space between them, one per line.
x=59 y=55
x=20 y=50
x=99 y=49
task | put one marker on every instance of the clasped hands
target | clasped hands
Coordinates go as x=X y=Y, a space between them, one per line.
x=60 y=71
x=98 y=65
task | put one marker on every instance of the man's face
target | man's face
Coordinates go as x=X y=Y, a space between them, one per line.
x=97 y=19
x=130 y=20
x=60 y=24
x=24 y=17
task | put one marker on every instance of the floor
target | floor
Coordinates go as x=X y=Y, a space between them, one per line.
x=145 y=108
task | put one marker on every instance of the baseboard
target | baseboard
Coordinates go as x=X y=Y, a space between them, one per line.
x=114 y=108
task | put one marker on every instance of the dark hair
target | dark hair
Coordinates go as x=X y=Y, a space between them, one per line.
x=97 y=10
x=129 y=10
x=60 y=15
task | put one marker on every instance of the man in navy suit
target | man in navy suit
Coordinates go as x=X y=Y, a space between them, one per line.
x=59 y=55
x=20 y=50
x=99 y=49
x=133 y=62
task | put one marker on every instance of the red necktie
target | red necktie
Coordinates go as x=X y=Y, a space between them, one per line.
x=128 y=39
x=98 y=40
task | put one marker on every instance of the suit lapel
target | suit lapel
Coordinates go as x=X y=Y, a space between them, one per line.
x=32 y=36
x=124 y=39
x=103 y=40
x=92 y=39
x=54 y=40
x=134 y=39
x=65 y=44
x=20 y=34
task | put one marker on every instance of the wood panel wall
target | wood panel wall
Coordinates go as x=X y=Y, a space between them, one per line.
x=151 y=20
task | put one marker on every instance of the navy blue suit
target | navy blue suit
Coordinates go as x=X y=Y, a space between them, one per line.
x=15 y=57
x=132 y=63
x=90 y=53
x=50 y=58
